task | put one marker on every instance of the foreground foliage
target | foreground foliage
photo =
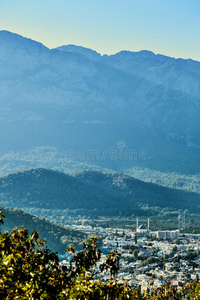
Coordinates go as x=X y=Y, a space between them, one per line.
x=29 y=270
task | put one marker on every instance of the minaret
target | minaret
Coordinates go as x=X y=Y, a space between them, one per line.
x=148 y=223
x=179 y=221
x=136 y=223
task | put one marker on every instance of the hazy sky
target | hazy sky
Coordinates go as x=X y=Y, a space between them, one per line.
x=169 y=27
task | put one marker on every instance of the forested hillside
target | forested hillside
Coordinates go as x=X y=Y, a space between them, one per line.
x=58 y=238
x=92 y=192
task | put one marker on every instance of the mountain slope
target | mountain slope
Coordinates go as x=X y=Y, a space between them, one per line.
x=58 y=237
x=92 y=193
x=80 y=102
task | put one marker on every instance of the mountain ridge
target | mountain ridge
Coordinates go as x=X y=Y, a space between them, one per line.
x=7 y=33
x=93 y=193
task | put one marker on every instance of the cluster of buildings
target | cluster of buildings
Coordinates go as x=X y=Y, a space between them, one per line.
x=142 y=230
x=150 y=255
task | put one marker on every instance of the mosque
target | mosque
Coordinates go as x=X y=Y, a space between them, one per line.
x=142 y=229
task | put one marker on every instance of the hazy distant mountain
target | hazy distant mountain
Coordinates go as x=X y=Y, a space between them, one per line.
x=119 y=111
x=90 y=54
x=92 y=193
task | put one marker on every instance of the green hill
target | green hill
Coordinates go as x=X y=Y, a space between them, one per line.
x=58 y=237
x=93 y=192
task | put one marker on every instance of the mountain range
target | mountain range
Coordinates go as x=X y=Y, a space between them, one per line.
x=117 y=112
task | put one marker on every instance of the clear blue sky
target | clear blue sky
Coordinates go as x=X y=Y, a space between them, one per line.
x=169 y=27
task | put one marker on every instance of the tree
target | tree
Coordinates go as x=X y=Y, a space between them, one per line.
x=111 y=263
x=29 y=270
x=135 y=239
x=135 y=253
